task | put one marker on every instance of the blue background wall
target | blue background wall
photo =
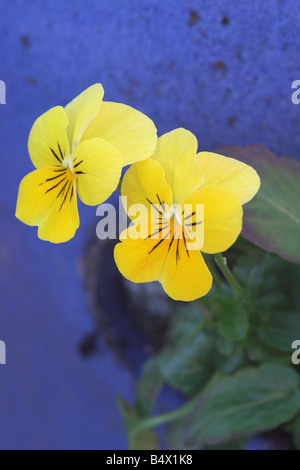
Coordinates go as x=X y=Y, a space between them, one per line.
x=221 y=69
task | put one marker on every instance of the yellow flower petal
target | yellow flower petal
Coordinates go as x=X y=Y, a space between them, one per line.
x=176 y=152
x=62 y=220
x=98 y=166
x=223 y=215
x=144 y=183
x=131 y=131
x=229 y=173
x=185 y=275
x=81 y=111
x=48 y=144
x=47 y=198
x=142 y=260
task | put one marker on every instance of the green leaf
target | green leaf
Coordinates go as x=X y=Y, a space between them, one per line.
x=146 y=440
x=225 y=347
x=296 y=433
x=236 y=444
x=175 y=436
x=269 y=279
x=233 y=323
x=186 y=362
x=176 y=432
x=280 y=330
x=187 y=319
x=137 y=440
x=230 y=364
x=229 y=310
x=187 y=366
x=272 y=218
x=251 y=401
x=258 y=352
x=148 y=387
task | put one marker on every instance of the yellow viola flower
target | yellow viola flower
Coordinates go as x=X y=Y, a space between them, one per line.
x=171 y=184
x=79 y=149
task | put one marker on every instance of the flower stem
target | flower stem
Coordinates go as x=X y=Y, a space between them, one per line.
x=184 y=410
x=166 y=417
x=229 y=276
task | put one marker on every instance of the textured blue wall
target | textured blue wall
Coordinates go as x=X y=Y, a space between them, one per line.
x=221 y=69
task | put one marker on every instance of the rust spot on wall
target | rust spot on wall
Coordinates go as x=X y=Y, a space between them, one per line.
x=194 y=18
x=25 y=41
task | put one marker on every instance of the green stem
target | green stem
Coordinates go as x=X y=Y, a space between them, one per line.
x=165 y=418
x=184 y=410
x=229 y=276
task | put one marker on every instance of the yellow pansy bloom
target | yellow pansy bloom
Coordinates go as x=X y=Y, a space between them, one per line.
x=79 y=149
x=168 y=249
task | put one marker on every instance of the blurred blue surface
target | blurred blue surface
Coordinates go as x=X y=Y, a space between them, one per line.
x=221 y=69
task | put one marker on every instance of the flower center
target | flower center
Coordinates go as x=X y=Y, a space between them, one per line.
x=175 y=211
x=67 y=163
